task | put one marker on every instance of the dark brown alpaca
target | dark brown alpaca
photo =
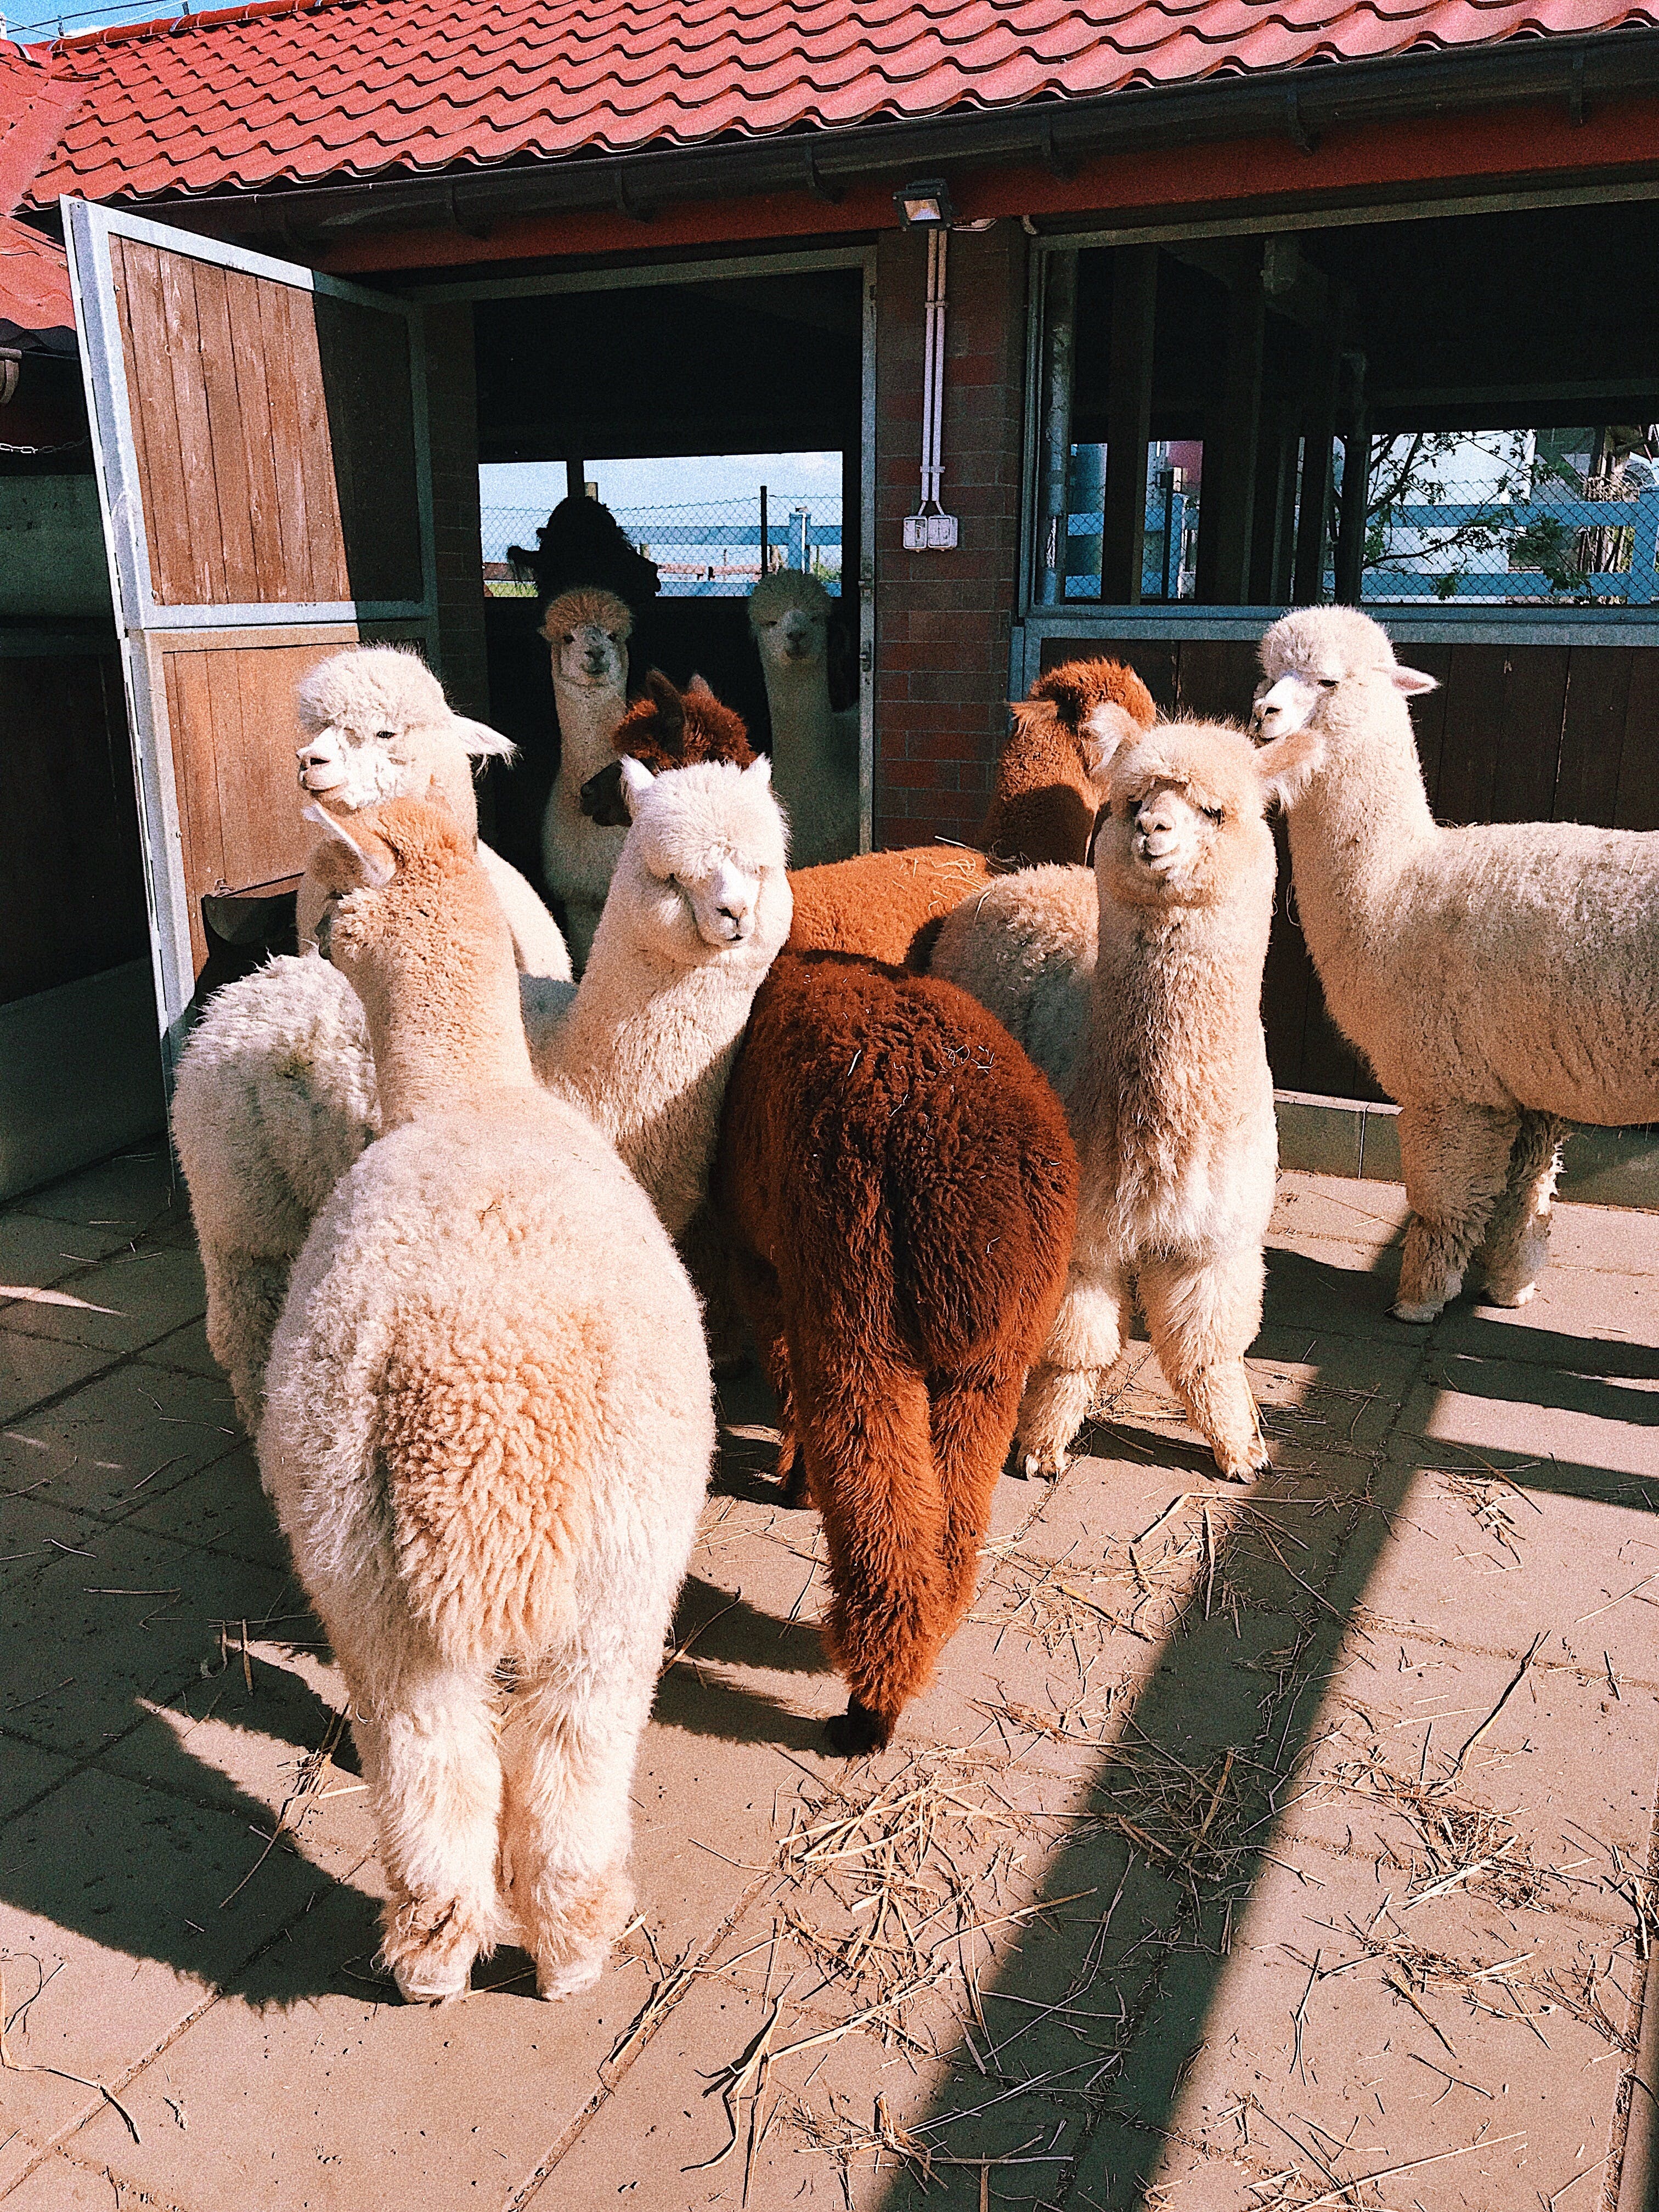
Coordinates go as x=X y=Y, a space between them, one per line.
x=900 y=1190
x=1046 y=795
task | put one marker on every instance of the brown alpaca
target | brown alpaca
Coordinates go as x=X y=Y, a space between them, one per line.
x=898 y=1186
x=1047 y=790
x=887 y=906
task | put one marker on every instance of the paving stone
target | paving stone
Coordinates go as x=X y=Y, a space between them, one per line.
x=59 y=2185
x=82 y=1641
x=33 y=1368
x=1342 y=2057
x=120 y=1443
x=134 y=1192
x=123 y=1302
x=309 y=2084
x=26 y=1773
x=1570 y=1431
x=186 y=1347
x=36 y=1252
x=110 y=1900
x=1341 y=1209
x=222 y=1509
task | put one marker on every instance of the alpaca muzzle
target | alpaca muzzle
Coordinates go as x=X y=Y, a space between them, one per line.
x=321 y=767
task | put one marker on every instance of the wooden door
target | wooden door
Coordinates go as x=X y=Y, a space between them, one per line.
x=260 y=437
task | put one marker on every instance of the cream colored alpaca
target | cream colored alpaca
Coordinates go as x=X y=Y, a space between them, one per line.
x=699 y=907
x=1137 y=990
x=587 y=632
x=377 y=725
x=1497 y=977
x=487 y=1434
x=815 y=752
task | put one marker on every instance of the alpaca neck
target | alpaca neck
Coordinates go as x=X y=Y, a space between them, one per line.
x=802 y=727
x=587 y=722
x=445 y=1026
x=1362 y=822
x=646 y=1048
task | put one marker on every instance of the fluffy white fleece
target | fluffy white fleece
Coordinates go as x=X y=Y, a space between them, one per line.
x=1499 y=978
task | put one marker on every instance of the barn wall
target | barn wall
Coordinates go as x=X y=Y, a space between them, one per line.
x=452 y=417
x=1515 y=733
x=942 y=619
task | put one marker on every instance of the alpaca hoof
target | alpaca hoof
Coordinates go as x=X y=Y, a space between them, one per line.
x=1243 y=1467
x=857 y=1730
x=428 y=1950
x=1507 y=1294
x=436 y=1974
x=570 y=1976
x=1401 y=1311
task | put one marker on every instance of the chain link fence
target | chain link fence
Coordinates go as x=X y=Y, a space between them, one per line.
x=709 y=548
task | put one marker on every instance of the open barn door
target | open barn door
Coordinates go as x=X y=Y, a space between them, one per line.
x=260 y=438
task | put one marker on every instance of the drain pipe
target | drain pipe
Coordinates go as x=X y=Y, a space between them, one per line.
x=928 y=530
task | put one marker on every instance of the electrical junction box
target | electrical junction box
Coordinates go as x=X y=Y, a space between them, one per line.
x=930 y=534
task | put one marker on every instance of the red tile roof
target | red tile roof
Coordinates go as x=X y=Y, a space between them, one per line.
x=301 y=90
x=34 y=291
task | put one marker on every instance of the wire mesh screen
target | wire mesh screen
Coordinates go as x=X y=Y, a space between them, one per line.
x=1516 y=517
x=708 y=549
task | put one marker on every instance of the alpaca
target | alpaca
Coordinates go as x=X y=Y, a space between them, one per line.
x=276 y=1095
x=1500 y=979
x=1046 y=793
x=587 y=631
x=698 y=908
x=901 y=1191
x=376 y=725
x=1138 y=992
x=888 y=906
x=815 y=752
x=581 y=544
x=487 y=1435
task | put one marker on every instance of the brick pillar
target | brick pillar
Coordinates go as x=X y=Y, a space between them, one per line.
x=942 y=619
x=452 y=401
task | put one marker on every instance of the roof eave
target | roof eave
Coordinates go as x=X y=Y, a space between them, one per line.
x=1302 y=103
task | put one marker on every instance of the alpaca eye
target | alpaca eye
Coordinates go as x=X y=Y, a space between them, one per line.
x=1216 y=814
x=384 y=737
x=1328 y=683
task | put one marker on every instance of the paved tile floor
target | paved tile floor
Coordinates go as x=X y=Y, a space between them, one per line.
x=1281 y=1849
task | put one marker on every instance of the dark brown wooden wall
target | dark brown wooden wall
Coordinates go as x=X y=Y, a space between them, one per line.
x=69 y=860
x=1516 y=733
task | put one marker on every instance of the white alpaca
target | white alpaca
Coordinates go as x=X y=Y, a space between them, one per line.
x=277 y=1092
x=1137 y=989
x=1497 y=977
x=699 y=907
x=815 y=752
x=487 y=1435
x=377 y=725
x=587 y=632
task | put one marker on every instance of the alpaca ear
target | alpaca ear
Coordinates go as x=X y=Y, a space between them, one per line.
x=1107 y=730
x=371 y=869
x=699 y=688
x=482 y=743
x=1414 y=680
x=761 y=768
x=637 y=780
x=1289 y=765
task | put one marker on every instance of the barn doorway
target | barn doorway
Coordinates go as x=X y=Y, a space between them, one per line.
x=675 y=395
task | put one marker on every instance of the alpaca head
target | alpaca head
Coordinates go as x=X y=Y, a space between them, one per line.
x=404 y=895
x=1187 y=826
x=1102 y=703
x=666 y=729
x=1313 y=656
x=703 y=874
x=377 y=725
x=588 y=630
x=789 y=614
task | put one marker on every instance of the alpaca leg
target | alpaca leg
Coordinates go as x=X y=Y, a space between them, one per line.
x=1456 y=1163
x=568 y=1746
x=756 y=1286
x=1083 y=1346
x=1202 y=1317
x=1515 y=1249
x=245 y=1295
x=973 y=1419
x=701 y=1246
x=426 y=1737
x=865 y=1431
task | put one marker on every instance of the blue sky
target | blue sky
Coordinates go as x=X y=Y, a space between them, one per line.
x=32 y=20
x=788 y=476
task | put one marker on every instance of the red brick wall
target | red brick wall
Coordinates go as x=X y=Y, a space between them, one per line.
x=942 y=619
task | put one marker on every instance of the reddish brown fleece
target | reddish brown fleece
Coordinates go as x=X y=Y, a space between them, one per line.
x=901 y=1191
x=1043 y=803
x=888 y=906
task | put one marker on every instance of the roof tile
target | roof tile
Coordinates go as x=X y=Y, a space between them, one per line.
x=299 y=90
